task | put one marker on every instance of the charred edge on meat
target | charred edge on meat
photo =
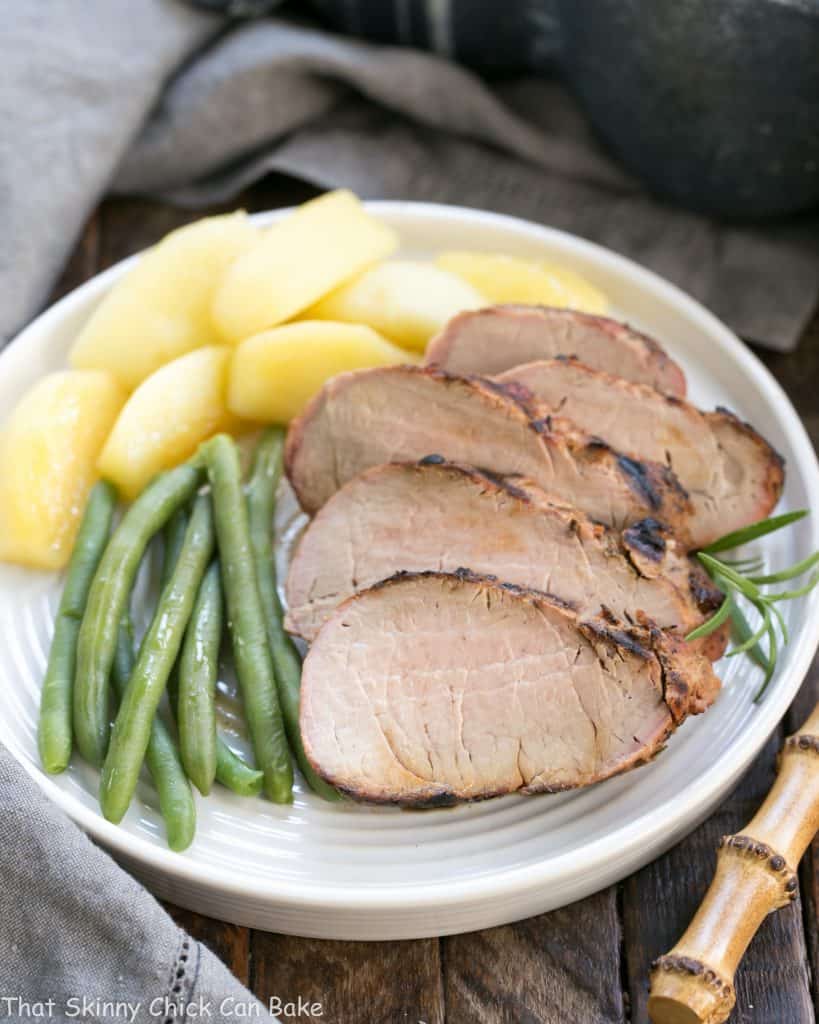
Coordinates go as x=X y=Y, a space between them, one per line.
x=433 y=801
x=600 y=629
x=648 y=538
x=676 y=691
x=500 y=483
x=644 y=478
x=467 y=575
x=705 y=592
x=477 y=474
x=640 y=480
x=542 y=425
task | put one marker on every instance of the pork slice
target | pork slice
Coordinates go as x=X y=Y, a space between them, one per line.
x=489 y=341
x=432 y=688
x=443 y=516
x=732 y=475
x=404 y=413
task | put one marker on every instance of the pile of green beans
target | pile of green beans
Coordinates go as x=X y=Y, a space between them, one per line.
x=218 y=577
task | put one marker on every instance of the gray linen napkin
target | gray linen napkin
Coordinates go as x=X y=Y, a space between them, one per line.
x=88 y=88
x=84 y=941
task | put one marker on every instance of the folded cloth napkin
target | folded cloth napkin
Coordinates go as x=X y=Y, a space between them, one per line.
x=161 y=99
x=80 y=940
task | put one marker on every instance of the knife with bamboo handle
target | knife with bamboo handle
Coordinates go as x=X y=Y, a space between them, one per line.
x=755 y=875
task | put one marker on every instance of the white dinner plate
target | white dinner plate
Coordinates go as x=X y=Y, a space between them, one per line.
x=356 y=872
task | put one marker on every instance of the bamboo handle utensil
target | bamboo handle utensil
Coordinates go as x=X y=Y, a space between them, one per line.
x=755 y=875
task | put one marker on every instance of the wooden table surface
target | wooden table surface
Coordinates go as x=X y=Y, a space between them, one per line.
x=584 y=964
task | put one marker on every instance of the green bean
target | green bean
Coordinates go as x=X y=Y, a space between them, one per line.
x=107 y=600
x=261 y=504
x=231 y=771
x=198 y=670
x=236 y=774
x=175 y=797
x=159 y=650
x=254 y=664
x=173 y=537
x=54 y=735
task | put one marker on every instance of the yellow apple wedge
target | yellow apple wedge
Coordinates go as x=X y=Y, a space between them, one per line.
x=405 y=300
x=297 y=260
x=275 y=374
x=166 y=418
x=162 y=308
x=48 y=463
x=510 y=279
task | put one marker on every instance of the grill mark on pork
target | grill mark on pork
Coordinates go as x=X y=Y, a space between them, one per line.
x=644 y=481
x=449 y=517
x=648 y=538
x=398 y=413
x=732 y=475
x=408 y=698
x=492 y=340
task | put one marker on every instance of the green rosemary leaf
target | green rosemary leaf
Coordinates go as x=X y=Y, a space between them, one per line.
x=789 y=595
x=750 y=639
x=716 y=620
x=771 y=665
x=739 y=582
x=744 y=564
x=788 y=574
x=780 y=620
x=760 y=529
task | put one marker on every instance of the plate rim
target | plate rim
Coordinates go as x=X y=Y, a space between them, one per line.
x=690 y=805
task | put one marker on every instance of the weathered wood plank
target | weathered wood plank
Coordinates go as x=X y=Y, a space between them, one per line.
x=659 y=901
x=557 y=968
x=352 y=982
x=230 y=942
x=809 y=869
x=798 y=373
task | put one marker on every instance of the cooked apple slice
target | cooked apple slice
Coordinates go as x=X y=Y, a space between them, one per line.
x=162 y=308
x=406 y=301
x=167 y=417
x=48 y=463
x=316 y=248
x=509 y=279
x=274 y=374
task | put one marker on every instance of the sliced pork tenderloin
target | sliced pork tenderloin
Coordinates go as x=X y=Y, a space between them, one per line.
x=732 y=475
x=489 y=341
x=430 y=689
x=442 y=516
x=404 y=413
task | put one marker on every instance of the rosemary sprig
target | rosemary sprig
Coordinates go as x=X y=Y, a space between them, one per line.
x=739 y=578
x=755 y=530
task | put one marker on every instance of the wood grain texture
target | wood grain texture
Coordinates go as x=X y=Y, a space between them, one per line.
x=553 y=969
x=229 y=942
x=563 y=967
x=659 y=901
x=355 y=982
